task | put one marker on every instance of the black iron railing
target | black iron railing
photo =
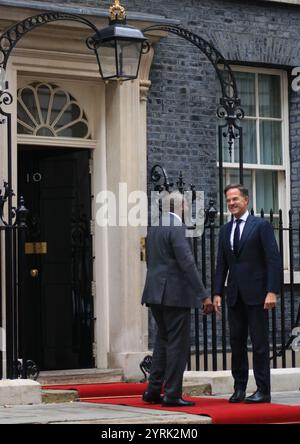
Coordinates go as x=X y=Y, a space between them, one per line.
x=12 y=241
x=210 y=348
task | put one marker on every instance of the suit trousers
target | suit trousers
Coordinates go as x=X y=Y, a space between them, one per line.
x=241 y=318
x=171 y=349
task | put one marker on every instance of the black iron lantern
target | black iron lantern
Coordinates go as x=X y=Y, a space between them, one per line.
x=118 y=47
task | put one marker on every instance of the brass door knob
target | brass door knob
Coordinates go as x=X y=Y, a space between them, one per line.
x=34 y=273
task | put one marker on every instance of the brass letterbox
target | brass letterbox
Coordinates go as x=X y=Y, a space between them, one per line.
x=36 y=247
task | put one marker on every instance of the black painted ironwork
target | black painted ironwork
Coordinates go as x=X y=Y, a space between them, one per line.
x=282 y=326
x=229 y=108
x=13 y=227
x=210 y=334
x=27 y=369
x=9 y=241
x=111 y=37
x=145 y=367
x=11 y=222
x=8 y=41
x=286 y=343
x=292 y=295
x=160 y=179
x=222 y=67
x=115 y=32
x=21 y=297
x=14 y=34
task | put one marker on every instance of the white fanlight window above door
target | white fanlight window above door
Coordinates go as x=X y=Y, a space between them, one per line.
x=47 y=110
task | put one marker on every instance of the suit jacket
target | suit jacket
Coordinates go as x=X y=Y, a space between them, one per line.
x=172 y=275
x=257 y=267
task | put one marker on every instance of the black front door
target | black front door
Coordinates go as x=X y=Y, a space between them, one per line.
x=57 y=318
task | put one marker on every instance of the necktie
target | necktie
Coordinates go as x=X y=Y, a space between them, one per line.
x=236 y=236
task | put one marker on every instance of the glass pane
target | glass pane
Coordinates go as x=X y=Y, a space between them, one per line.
x=23 y=129
x=60 y=100
x=226 y=156
x=45 y=132
x=249 y=142
x=269 y=95
x=128 y=58
x=70 y=114
x=79 y=129
x=44 y=95
x=270 y=143
x=266 y=191
x=28 y=98
x=234 y=178
x=226 y=77
x=106 y=54
x=228 y=89
x=24 y=117
x=246 y=91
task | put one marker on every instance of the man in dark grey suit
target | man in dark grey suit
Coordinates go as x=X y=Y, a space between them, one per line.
x=248 y=252
x=173 y=286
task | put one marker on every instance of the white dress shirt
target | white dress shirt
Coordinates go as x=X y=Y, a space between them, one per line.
x=176 y=217
x=243 y=219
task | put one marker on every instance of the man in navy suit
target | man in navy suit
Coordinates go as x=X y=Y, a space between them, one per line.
x=173 y=286
x=248 y=253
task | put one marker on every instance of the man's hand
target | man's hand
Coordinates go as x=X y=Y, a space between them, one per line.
x=207 y=306
x=217 y=304
x=270 y=301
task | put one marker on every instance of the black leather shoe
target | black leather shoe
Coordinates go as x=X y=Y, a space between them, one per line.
x=176 y=402
x=153 y=398
x=238 y=396
x=258 y=397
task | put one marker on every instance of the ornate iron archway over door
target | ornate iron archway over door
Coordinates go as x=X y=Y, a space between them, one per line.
x=229 y=109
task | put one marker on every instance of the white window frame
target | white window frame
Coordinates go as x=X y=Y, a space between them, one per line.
x=284 y=192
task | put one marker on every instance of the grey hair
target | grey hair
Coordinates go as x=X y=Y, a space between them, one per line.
x=172 y=202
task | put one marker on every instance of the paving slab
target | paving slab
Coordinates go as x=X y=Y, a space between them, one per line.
x=88 y=413
x=221 y=382
x=80 y=412
x=286 y=398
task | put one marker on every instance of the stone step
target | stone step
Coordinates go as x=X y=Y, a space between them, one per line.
x=190 y=389
x=221 y=382
x=59 y=396
x=81 y=376
x=19 y=392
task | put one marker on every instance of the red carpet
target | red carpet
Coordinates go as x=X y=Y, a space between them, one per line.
x=219 y=410
x=102 y=390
